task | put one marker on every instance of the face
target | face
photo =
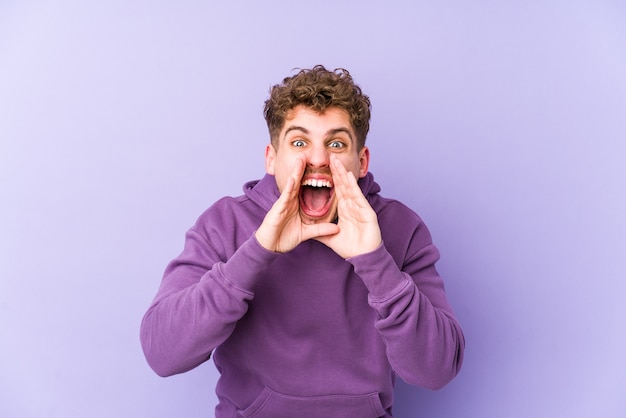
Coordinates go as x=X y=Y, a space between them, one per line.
x=314 y=137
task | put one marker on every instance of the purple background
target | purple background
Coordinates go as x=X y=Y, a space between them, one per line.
x=502 y=123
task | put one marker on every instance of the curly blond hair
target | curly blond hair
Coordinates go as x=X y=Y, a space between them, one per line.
x=318 y=89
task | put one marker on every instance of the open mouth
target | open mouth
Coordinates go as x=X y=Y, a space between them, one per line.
x=316 y=197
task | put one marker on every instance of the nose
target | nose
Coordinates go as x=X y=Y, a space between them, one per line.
x=318 y=157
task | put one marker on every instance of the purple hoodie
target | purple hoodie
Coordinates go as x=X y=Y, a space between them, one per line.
x=306 y=333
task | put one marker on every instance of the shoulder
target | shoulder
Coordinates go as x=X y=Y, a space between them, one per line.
x=387 y=209
x=394 y=210
x=230 y=207
x=223 y=207
x=402 y=228
x=229 y=218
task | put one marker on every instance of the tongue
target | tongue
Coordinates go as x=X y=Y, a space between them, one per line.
x=315 y=198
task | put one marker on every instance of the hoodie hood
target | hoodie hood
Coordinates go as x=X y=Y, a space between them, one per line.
x=264 y=192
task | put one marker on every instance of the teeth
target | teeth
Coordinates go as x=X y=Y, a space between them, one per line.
x=316 y=183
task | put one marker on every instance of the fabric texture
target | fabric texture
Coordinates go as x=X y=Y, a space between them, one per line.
x=306 y=333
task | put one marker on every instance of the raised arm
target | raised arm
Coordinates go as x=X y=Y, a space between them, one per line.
x=424 y=340
x=200 y=300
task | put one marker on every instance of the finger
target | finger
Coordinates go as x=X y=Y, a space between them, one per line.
x=346 y=185
x=284 y=204
x=297 y=172
x=318 y=231
x=287 y=192
x=338 y=171
x=292 y=186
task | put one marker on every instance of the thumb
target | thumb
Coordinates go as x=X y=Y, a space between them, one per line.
x=318 y=231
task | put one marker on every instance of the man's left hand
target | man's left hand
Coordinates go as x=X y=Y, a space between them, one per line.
x=359 y=232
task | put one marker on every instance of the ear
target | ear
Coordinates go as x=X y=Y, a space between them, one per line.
x=270 y=157
x=364 y=161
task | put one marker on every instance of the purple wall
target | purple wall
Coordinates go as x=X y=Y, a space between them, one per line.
x=502 y=123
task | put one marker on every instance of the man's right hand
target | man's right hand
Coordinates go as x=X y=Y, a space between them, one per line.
x=282 y=229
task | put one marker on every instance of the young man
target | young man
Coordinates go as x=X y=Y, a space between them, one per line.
x=311 y=290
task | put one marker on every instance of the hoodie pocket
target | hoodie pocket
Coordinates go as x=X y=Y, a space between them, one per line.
x=271 y=404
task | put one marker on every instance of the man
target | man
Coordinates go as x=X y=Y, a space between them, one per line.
x=311 y=290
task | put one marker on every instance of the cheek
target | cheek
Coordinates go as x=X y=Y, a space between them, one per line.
x=352 y=165
x=281 y=172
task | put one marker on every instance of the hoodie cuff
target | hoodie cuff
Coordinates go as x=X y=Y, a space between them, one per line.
x=247 y=264
x=379 y=272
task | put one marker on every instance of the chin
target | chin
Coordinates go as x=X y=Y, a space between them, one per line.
x=329 y=217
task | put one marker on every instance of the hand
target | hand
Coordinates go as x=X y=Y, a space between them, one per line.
x=359 y=232
x=282 y=229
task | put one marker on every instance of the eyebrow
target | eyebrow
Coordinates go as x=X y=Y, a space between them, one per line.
x=296 y=128
x=329 y=133
x=335 y=131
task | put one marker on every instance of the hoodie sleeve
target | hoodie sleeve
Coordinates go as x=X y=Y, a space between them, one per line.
x=424 y=340
x=200 y=300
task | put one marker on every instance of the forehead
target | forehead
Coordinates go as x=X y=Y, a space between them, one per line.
x=333 y=118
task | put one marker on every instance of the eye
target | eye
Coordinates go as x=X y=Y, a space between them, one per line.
x=298 y=143
x=336 y=145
